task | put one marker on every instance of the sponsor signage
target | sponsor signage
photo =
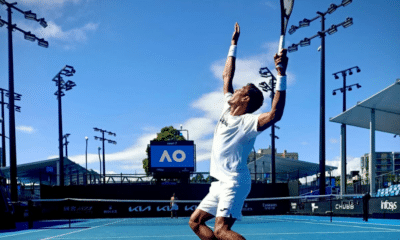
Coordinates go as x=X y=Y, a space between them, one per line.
x=110 y=210
x=388 y=205
x=172 y=156
x=385 y=207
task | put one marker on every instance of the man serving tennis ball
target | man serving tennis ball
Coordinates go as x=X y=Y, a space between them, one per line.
x=234 y=137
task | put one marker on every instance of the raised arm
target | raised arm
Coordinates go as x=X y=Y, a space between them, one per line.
x=229 y=69
x=265 y=120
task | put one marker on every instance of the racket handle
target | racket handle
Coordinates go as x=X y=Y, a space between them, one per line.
x=281 y=43
x=281 y=46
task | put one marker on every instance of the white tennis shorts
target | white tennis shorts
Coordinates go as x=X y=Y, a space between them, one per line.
x=225 y=199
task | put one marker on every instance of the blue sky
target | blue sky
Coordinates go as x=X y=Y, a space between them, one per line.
x=143 y=65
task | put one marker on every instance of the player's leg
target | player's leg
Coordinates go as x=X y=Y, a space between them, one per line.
x=197 y=223
x=223 y=230
x=206 y=210
x=232 y=197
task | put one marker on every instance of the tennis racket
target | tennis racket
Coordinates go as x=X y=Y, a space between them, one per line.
x=286 y=10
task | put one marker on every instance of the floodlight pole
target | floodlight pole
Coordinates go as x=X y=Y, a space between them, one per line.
x=265 y=72
x=104 y=156
x=66 y=144
x=13 y=147
x=12 y=135
x=3 y=131
x=306 y=42
x=322 y=147
x=343 y=128
x=67 y=71
x=60 y=134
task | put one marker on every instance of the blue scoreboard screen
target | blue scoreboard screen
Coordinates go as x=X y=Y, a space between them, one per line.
x=172 y=156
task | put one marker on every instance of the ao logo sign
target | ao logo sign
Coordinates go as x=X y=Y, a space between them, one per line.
x=172 y=156
x=175 y=156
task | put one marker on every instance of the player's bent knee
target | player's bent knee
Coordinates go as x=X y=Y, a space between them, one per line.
x=219 y=233
x=194 y=225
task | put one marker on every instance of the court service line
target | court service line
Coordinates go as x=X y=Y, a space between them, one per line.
x=82 y=230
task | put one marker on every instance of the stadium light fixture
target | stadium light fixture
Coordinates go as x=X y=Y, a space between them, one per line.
x=29 y=36
x=334 y=93
x=346 y=2
x=358 y=69
x=43 y=22
x=336 y=76
x=358 y=85
x=304 y=23
x=332 y=30
x=293 y=48
x=348 y=22
x=43 y=43
x=30 y=15
x=293 y=29
x=332 y=8
x=305 y=42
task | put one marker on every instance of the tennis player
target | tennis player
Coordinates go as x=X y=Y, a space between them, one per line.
x=234 y=137
x=174 y=206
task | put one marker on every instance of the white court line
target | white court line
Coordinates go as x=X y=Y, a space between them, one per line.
x=82 y=230
x=251 y=234
x=22 y=233
x=333 y=224
x=39 y=230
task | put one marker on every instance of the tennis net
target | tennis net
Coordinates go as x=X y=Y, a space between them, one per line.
x=153 y=212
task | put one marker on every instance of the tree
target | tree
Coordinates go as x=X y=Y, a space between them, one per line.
x=198 y=178
x=166 y=134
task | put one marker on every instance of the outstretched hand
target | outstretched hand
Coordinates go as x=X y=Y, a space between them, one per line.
x=281 y=62
x=236 y=33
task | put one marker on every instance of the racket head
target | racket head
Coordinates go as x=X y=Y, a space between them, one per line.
x=286 y=11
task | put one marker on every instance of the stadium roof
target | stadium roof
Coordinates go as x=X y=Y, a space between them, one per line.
x=287 y=168
x=387 y=111
x=40 y=171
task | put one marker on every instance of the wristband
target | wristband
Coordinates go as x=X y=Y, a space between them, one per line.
x=281 y=83
x=232 y=51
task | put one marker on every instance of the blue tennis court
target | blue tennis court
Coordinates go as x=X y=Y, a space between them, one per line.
x=251 y=227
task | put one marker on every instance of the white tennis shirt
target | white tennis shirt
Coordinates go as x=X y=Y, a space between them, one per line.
x=234 y=138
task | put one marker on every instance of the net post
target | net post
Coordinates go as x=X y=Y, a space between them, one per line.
x=68 y=203
x=30 y=214
x=331 y=213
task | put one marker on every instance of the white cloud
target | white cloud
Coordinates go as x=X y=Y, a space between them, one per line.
x=54 y=31
x=211 y=104
x=47 y=3
x=333 y=140
x=25 y=129
x=353 y=164
x=272 y=5
x=56 y=35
